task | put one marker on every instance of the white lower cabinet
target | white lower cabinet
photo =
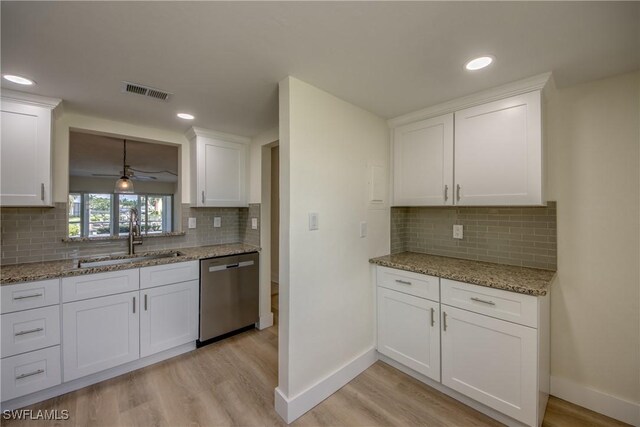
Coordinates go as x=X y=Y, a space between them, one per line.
x=168 y=317
x=30 y=372
x=409 y=331
x=487 y=344
x=491 y=361
x=100 y=333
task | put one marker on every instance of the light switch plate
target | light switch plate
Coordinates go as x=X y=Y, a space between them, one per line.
x=217 y=221
x=254 y=223
x=457 y=231
x=192 y=223
x=313 y=221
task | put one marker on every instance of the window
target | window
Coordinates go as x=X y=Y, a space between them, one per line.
x=95 y=215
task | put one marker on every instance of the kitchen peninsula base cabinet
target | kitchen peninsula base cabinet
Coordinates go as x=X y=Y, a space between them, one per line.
x=486 y=347
x=110 y=326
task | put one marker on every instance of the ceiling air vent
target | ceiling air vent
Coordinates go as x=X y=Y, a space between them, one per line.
x=145 y=91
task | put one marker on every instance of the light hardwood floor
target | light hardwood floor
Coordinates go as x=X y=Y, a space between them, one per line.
x=231 y=383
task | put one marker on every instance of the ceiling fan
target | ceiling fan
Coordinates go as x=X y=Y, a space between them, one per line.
x=128 y=173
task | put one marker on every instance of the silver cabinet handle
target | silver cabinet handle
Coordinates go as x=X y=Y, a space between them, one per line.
x=30 y=374
x=42 y=191
x=134 y=305
x=458 y=192
x=446 y=193
x=433 y=320
x=482 y=301
x=28 y=296
x=203 y=197
x=145 y=302
x=404 y=282
x=30 y=331
x=444 y=320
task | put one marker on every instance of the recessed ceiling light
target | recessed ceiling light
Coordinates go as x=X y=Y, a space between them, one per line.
x=479 y=63
x=186 y=116
x=18 y=79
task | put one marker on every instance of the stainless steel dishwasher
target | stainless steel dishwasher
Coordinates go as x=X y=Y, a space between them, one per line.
x=229 y=295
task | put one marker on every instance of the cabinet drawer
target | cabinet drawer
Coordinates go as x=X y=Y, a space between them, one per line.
x=419 y=285
x=29 y=330
x=99 y=284
x=167 y=274
x=24 y=296
x=511 y=306
x=30 y=372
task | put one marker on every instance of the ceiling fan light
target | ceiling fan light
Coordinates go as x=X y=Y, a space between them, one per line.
x=123 y=186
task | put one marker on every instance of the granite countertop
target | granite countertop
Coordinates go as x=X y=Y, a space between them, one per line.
x=29 y=272
x=530 y=281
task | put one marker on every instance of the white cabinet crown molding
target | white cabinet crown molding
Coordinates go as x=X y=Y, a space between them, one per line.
x=542 y=82
x=194 y=132
x=31 y=99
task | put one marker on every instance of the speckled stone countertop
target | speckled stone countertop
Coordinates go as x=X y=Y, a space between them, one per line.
x=29 y=272
x=531 y=281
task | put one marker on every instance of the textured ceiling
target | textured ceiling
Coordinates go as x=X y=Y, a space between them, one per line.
x=223 y=60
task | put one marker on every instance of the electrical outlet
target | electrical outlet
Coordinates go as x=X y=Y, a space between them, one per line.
x=254 y=223
x=313 y=221
x=457 y=231
x=217 y=221
x=363 y=229
x=192 y=223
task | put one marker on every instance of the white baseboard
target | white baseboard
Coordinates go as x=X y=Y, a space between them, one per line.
x=265 y=321
x=292 y=408
x=67 y=387
x=606 y=404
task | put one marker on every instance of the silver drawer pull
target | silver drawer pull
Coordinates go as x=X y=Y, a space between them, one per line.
x=28 y=296
x=30 y=374
x=30 y=331
x=483 y=301
x=433 y=320
x=404 y=282
x=444 y=320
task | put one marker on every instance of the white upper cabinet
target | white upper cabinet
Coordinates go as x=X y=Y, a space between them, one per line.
x=485 y=149
x=26 y=149
x=498 y=152
x=218 y=169
x=423 y=162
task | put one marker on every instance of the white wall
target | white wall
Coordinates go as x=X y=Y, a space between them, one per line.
x=73 y=121
x=326 y=293
x=593 y=173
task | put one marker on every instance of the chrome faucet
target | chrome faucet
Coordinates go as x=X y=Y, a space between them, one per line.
x=135 y=235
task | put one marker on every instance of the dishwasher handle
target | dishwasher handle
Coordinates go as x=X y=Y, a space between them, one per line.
x=229 y=266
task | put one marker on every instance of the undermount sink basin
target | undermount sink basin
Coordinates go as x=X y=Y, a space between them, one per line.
x=125 y=259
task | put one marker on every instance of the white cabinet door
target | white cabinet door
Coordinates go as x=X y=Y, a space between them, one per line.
x=221 y=170
x=168 y=317
x=409 y=331
x=423 y=163
x=491 y=361
x=26 y=155
x=498 y=152
x=100 y=333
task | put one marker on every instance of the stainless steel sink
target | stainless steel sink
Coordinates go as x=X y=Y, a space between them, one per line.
x=126 y=259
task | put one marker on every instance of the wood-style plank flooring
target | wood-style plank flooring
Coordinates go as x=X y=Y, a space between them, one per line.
x=231 y=383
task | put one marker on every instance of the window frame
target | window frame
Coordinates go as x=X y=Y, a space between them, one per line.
x=114 y=222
